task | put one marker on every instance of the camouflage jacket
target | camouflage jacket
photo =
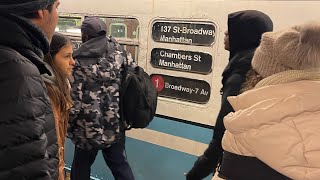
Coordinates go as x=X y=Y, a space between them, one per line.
x=94 y=119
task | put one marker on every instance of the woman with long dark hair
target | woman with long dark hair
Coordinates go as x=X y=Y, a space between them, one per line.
x=61 y=64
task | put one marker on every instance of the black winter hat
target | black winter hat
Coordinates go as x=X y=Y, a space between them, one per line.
x=23 y=6
x=94 y=26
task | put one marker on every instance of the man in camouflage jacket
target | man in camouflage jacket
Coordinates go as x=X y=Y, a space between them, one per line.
x=94 y=120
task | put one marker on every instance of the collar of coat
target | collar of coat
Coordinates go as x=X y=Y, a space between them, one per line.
x=289 y=76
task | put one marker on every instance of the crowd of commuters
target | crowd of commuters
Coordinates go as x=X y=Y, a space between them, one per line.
x=267 y=127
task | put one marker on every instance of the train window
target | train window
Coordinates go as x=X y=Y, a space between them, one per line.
x=69 y=25
x=126 y=31
x=118 y=30
x=122 y=27
x=136 y=33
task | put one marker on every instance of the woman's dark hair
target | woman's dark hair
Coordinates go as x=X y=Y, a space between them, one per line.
x=60 y=94
x=252 y=79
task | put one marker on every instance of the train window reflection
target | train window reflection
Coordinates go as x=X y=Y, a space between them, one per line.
x=69 y=25
x=124 y=30
x=136 y=33
x=118 y=30
x=122 y=27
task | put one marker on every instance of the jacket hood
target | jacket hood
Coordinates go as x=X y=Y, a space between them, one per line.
x=245 y=29
x=94 y=48
x=21 y=35
x=49 y=77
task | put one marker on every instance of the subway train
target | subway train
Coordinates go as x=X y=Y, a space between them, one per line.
x=179 y=43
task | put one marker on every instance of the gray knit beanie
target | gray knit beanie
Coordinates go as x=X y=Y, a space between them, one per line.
x=23 y=6
x=295 y=48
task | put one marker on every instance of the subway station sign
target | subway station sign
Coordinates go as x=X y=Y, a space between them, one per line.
x=189 y=61
x=184 y=33
x=180 y=88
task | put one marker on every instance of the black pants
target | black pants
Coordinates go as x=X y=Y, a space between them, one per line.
x=237 y=167
x=114 y=156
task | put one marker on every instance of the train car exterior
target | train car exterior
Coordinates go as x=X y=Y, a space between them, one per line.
x=179 y=43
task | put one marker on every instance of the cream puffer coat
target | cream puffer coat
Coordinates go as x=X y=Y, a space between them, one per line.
x=279 y=123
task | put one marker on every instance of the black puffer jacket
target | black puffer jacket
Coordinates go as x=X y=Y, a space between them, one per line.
x=245 y=29
x=28 y=143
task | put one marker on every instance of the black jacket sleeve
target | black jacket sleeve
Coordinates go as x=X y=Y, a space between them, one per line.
x=28 y=144
x=231 y=88
x=232 y=83
x=207 y=163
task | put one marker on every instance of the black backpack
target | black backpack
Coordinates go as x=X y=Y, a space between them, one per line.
x=138 y=97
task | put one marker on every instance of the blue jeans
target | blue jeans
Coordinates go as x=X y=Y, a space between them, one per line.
x=114 y=156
